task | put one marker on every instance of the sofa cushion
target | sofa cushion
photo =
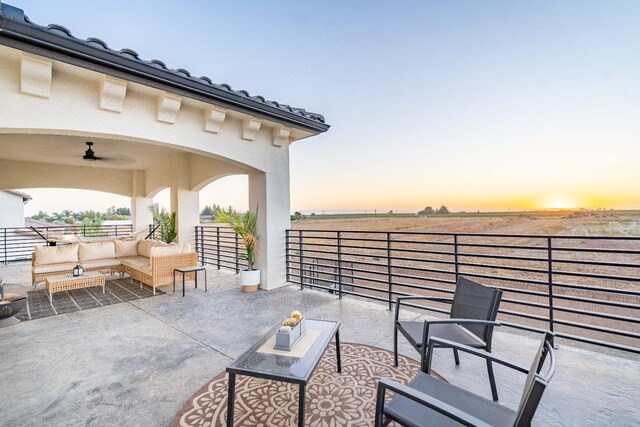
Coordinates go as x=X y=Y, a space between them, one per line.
x=54 y=268
x=97 y=263
x=96 y=250
x=186 y=248
x=144 y=246
x=56 y=254
x=126 y=248
x=139 y=263
x=166 y=250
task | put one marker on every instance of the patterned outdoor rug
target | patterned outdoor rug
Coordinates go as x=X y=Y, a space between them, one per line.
x=117 y=290
x=346 y=399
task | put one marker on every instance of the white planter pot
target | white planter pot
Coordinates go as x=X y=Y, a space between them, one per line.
x=249 y=280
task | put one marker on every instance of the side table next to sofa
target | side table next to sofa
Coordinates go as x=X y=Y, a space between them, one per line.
x=192 y=269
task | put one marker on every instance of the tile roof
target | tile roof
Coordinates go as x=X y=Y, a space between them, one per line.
x=58 y=34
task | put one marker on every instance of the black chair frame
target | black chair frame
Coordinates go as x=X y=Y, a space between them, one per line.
x=527 y=408
x=422 y=349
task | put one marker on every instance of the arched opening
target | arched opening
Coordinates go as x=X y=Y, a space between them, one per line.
x=56 y=200
x=228 y=192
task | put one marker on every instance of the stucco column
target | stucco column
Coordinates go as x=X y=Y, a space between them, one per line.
x=141 y=215
x=270 y=191
x=184 y=202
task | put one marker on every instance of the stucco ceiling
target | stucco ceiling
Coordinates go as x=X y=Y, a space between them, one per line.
x=68 y=150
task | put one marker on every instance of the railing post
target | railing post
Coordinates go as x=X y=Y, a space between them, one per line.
x=287 y=257
x=301 y=259
x=199 y=245
x=550 y=269
x=202 y=261
x=389 y=278
x=84 y=230
x=116 y=231
x=455 y=255
x=218 y=247
x=338 y=236
x=237 y=253
x=6 y=259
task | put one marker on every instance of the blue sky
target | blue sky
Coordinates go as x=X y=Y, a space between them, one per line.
x=476 y=105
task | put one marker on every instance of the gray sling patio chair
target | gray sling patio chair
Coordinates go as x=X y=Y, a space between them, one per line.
x=429 y=401
x=473 y=313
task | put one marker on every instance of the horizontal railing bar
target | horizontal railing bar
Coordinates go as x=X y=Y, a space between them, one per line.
x=596 y=276
x=509 y=279
x=597 y=250
x=596 y=314
x=615 y=291
x=489 y=245
x=504 y=267
x=579 y=325
x=433 y=261
x=598 y=301
x=422 y=287
x=511 y=257
x=597 y=263
x=602 y=343
x=436 y=233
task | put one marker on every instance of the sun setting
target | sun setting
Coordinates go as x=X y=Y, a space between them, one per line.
x=560 y=202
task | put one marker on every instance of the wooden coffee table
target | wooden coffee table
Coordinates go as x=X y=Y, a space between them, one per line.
x=66 y=283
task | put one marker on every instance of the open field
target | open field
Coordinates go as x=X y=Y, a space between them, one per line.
x=589 y=286
x=574 y=223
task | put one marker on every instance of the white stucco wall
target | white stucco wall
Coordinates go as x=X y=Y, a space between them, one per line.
x=203 y=152
x=11 y=210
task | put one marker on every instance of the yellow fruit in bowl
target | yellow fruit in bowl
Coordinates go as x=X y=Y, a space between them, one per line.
x=290 y=321
x=296 y=315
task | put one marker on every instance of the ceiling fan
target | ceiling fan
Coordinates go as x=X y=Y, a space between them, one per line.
x=90 y=155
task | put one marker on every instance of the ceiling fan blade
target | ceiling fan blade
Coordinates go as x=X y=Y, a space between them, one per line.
x=116 y=161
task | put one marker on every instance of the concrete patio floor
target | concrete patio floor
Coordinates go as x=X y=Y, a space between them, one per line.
x=136 y=363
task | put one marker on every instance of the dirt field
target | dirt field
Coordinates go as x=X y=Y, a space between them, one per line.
x=586 y=297
x=574 y=223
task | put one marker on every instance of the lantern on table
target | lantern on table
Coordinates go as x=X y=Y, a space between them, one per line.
x=78 y=270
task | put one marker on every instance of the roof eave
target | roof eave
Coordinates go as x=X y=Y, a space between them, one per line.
x=19 y=35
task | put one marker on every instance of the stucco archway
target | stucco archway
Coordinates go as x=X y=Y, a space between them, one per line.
x=169 y=128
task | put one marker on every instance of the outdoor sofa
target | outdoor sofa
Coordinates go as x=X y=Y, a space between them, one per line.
x=150 y=261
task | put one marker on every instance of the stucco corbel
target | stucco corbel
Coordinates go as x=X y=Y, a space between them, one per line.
x=168 y=107
x=35 y=75
x=280 y=136
x=213 y=119
x=250 y=128
x=112 y=93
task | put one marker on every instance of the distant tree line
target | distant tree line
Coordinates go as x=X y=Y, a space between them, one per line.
x=443 y=210
x=85 y=217
x=214 y=209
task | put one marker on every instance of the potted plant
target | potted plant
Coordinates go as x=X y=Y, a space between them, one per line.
x=245 y=225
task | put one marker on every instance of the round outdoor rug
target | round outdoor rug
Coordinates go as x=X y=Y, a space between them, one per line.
x=333 y=399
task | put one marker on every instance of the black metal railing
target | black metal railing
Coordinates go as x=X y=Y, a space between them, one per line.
x=583 y=288
x=17 y=243
x=220 y=246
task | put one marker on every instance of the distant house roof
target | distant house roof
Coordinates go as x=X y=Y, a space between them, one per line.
x=116 y=222
x=25 y=196
x=56 y=42
x=30 y=222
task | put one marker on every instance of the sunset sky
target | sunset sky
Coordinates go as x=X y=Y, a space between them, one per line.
x=488 y=105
